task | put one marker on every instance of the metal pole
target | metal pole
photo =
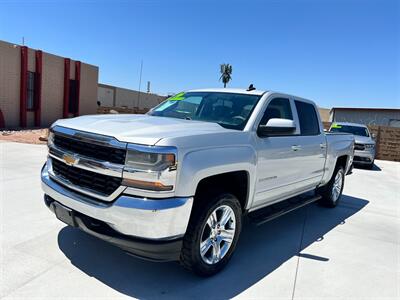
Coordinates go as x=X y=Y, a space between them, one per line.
x=140 y=81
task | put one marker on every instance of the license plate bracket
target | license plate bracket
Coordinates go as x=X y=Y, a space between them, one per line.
x=64 y=214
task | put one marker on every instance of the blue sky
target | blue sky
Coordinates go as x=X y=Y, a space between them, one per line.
x=336 y=52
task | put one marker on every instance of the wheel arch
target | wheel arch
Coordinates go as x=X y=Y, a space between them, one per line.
x=234 y=182
x=342 y=161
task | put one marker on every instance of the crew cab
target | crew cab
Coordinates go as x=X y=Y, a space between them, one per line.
x=175 y=183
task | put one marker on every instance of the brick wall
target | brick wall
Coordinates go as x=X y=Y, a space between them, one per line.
x=387 y=141
x=121 y=110
x=10 y=72
x=52 y=89
x=88 y=91
x=52 y=95
x=130 y=98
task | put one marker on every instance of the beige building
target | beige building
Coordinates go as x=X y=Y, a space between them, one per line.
x=37 y=88
x=324 y=113
x=368 y=116
x=112 y=96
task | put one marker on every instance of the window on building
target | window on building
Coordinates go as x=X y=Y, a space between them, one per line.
x=73 y=97
x=30 y=97
x=308 y=119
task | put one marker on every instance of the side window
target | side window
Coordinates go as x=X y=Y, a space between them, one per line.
x=277 y=108
x=308 y=119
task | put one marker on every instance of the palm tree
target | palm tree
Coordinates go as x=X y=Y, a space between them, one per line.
x=226 y=72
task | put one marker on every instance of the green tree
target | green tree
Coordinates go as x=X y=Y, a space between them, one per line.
x=226 y=72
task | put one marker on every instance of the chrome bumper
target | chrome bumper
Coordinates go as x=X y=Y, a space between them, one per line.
x=364 y=154
x=134 y=216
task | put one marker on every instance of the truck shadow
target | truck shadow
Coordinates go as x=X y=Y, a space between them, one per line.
x=374 y=168
x=260 y=251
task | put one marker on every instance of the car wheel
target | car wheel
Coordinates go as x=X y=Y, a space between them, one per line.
x=332 y=192
x=212 y=234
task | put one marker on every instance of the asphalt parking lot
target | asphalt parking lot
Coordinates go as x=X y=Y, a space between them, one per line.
x=352 y=251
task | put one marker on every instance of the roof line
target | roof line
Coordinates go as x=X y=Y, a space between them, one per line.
x=366 y=108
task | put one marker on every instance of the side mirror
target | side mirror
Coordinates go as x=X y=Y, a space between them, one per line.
x=277 y=126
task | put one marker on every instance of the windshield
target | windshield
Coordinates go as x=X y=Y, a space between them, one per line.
x=226 y=109
x=356 y=130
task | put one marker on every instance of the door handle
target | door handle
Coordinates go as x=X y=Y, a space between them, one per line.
x=322 y=145
x=296 y=147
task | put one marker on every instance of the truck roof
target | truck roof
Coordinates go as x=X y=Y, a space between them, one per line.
x=230 y=90
x=253 y=92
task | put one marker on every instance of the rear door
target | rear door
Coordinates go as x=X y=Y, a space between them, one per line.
x=312 y=144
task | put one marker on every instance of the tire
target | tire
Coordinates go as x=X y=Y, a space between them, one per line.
x=332 y=191
x=200 y=231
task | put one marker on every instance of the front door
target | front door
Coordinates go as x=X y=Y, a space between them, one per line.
x=279 y=161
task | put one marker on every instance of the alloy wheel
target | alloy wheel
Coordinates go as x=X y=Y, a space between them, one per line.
x=218 y=234
x=337 y=185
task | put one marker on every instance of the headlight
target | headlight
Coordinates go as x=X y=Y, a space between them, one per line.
x=147 y=161
x=369 y=146
x=152 y=171
x=50 y=138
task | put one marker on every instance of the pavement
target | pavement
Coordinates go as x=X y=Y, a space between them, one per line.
x=350 y=252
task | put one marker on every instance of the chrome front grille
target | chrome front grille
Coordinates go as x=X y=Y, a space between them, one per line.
x=99 y=152
x=92 y=181
x=88 y=163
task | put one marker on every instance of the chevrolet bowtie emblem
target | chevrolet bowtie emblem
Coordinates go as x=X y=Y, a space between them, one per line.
x=69 y=159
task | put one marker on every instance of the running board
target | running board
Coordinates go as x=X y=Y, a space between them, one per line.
x=274 y=211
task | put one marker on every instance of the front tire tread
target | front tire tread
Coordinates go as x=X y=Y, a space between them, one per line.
x=190 y=259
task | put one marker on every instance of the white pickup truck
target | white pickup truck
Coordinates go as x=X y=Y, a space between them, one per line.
x=175 y=184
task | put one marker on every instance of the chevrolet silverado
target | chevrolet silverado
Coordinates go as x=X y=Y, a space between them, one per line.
x=175 y=183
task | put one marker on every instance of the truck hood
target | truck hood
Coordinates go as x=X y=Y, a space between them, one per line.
x=140 y=129
x=358 y=139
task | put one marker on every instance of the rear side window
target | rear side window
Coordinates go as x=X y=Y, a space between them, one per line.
x=309 y=124
x=277 y=108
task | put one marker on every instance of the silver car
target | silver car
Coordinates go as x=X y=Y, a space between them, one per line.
x=364 y=147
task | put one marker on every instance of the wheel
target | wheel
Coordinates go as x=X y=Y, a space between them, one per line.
x=212 y=234
x=332 y=192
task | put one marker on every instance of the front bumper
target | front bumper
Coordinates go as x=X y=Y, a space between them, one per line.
x=363 y=157
x=141 y=218
x=155 y=250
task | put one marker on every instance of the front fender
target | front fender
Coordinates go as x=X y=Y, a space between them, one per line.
x=203 y=163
